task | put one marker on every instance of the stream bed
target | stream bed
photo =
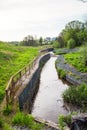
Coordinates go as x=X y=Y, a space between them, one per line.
x=48 y=103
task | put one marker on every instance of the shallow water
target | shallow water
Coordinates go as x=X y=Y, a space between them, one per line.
x=49 y=103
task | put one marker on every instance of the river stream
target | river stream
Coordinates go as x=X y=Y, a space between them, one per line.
x=49 y=103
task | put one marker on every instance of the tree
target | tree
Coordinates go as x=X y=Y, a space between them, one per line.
x=60 y=41
x=77 y=25
x=29 y=41
x=71 y=43
x=74 y=30
x=56 y=44
x=40 y=40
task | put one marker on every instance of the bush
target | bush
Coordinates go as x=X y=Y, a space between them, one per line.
x=71 y=43
x=61 y=73
x=76 y=95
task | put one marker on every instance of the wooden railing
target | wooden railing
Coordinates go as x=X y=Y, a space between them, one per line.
x=12 y=84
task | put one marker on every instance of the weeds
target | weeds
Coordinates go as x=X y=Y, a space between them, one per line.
x=76 y=95
x=65 y=120
x=26 y=120
x=61 y=73
x=7 y=127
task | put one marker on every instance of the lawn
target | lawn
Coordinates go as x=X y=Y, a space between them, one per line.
x=12 y=59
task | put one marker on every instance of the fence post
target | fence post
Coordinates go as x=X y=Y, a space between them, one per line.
x=12 y=90
x=20 y=81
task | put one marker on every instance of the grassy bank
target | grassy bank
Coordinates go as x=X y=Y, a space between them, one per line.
x=12 y=59
x=76 y=60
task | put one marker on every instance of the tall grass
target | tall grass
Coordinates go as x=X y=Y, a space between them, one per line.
x=26 y=120
x=61 y=73
x=76 y=95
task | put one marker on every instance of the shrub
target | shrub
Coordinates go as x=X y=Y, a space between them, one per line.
x=61 y=73
x=76 y=95
x=71 y=43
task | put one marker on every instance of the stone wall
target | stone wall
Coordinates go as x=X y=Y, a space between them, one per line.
x=27 y=96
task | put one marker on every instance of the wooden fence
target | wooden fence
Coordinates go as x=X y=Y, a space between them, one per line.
x=12 y=84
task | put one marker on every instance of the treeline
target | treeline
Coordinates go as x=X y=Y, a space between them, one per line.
x=74 y=34
x=33 y=41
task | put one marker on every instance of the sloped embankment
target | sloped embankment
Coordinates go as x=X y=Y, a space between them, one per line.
x=72 y=75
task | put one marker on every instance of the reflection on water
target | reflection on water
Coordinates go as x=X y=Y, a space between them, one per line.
x=48 y=103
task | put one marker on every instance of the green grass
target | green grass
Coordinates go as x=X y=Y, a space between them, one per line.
x=76 y=95
x=26 y=120
x=12 y=59
x=76 y=60
x=21 y=119
x=61 y=73
x=64 y=121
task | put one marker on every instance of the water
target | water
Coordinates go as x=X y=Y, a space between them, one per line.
x=49 y=103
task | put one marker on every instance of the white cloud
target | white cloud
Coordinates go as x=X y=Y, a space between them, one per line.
x=19 y=18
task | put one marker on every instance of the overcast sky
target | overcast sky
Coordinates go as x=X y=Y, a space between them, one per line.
x=19 y=18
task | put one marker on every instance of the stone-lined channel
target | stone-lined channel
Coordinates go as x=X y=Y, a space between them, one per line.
x=48 y=103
